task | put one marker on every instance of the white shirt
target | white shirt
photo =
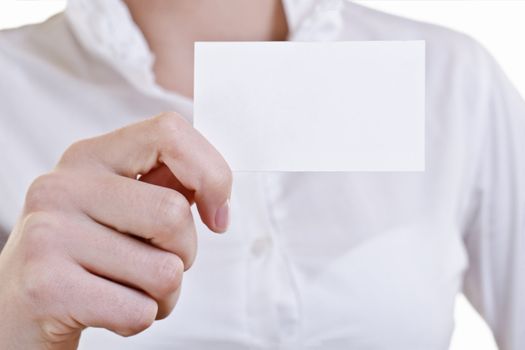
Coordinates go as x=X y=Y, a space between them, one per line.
x=312 y=260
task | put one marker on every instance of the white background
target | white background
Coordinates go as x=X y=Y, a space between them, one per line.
x=497 y=24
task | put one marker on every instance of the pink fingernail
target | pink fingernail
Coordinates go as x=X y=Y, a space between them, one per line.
x=222 y=216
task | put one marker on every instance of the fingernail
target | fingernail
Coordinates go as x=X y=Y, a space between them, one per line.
x=222 y=216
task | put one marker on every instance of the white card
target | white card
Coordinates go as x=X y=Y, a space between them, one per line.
x=313 y=106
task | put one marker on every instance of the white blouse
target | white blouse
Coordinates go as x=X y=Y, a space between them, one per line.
x=312 y=260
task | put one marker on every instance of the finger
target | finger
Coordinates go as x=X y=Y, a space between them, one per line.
x=130 y=262
x=125 y=259
x=166 y=305
x=93 y=301
x=166 y=139
x=159 y=215
x=162 y=176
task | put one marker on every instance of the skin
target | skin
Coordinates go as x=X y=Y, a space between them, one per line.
x=94 y=246
x=171 y=28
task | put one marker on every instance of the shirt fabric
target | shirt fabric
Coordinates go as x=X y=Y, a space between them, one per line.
x=311 y=260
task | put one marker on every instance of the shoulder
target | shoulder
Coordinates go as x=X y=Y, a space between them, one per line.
x=445 y=48
x=38 y=50
x=467 y=93
x=19 y=43
x=459 y=69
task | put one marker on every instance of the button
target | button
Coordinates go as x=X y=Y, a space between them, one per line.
x=261 y=245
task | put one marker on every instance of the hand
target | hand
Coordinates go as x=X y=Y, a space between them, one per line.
x=95 y=247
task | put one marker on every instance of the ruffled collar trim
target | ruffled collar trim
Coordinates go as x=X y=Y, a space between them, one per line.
x=106 y=29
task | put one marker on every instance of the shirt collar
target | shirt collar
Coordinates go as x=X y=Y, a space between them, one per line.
x=314 y=20
x=106 y=29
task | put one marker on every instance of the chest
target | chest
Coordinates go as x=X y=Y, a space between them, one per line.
x=327 y=260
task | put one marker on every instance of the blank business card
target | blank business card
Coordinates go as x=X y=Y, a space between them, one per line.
x=313 y=106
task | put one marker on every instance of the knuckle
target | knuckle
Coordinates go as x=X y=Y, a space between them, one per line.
x=40 y=285
x=169 y=128
x=169 y=271
x=139 y=318
x=168 y=122
x=42 y=193
x=191 y=255
x=72 y=154
x=38 y=232
x=172 y=209
x=167 y=305
x=42 y=282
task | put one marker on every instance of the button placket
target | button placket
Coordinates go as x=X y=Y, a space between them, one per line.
x=285 y=299
x=261 y=245
x=272 y=309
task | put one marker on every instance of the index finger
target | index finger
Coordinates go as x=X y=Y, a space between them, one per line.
x=167 y=139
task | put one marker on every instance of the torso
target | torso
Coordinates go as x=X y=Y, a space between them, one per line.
x=311 y=261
